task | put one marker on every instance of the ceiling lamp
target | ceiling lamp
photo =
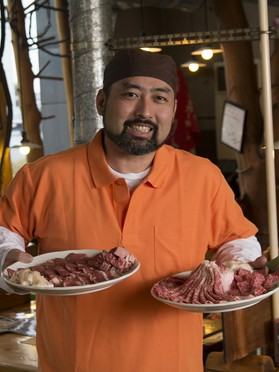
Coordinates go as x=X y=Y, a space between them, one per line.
x=193 y=65
x=152 y=49
x=26 y=146
x=206 y=52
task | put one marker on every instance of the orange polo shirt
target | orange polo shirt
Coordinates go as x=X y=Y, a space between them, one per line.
x=71 y=200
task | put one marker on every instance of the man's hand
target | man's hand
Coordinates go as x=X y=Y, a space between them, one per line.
x=259 y=262
x=16 y=255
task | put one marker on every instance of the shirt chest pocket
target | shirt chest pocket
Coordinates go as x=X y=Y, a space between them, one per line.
x=176 y=249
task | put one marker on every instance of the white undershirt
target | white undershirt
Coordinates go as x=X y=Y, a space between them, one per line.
x=132 y=179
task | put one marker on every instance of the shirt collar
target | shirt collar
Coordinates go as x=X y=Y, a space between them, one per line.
x=160 y=167
x=99 y=169
x=101 y=174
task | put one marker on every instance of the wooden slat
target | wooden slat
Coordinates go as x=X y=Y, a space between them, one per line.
x=244 y=331
x=251 y=363
x=8 y=301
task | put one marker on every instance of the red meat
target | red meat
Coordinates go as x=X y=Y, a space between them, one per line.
x=78 y=269
x=207 y=282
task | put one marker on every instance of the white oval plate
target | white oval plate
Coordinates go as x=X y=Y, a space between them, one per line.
x=64 y=291
x=214 y=308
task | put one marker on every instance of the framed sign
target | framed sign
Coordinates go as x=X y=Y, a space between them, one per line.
x=233 y=123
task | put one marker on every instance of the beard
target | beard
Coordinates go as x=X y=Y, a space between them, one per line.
x=135 y=145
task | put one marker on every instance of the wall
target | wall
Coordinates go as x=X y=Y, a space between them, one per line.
x=55 y=129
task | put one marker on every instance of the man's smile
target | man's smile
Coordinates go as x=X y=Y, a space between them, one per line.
x=141 y=128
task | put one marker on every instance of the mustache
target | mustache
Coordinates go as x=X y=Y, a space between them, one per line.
x=141 y=121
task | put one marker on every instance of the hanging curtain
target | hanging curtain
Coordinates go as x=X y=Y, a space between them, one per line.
x=185 y=134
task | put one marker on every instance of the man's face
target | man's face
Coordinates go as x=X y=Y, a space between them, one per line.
x=138 y=114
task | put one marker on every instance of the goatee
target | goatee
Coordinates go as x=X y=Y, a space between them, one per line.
x=135 y=145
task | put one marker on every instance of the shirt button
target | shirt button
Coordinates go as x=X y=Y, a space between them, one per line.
x=119 y=183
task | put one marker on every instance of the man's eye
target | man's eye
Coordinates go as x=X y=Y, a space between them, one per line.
x=130 y=94
x=161 y=99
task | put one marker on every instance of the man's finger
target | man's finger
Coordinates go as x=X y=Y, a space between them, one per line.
x=25 y=257
x=16 y=255
x=259 y=262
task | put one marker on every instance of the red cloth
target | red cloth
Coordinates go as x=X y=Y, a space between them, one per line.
x=186 y=133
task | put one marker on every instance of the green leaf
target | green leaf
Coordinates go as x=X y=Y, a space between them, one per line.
x=273 y=265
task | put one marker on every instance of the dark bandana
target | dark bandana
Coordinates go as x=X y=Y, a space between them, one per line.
x=135 y=62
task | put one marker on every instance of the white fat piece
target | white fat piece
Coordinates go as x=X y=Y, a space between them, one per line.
x=30 y=278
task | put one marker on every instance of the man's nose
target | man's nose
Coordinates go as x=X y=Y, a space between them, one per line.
x=144 y=108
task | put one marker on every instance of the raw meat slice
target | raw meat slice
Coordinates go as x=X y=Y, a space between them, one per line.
x=78 y=269
x=213 y=283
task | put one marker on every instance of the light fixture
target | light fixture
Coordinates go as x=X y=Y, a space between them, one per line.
x=152 y=49
x=24 y=150
x=26 y=145
x=193 y=65
x=206 y=52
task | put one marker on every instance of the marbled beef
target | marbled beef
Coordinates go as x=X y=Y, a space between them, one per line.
x=78 y=269
x=213 y=283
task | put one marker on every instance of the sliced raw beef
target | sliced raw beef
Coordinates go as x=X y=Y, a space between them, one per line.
x=78 y=269
x=213 y=283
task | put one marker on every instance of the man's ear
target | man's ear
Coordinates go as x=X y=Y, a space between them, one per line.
x=174 y=108
x=100 y=102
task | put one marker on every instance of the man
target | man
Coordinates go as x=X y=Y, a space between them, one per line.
x=125 y=188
